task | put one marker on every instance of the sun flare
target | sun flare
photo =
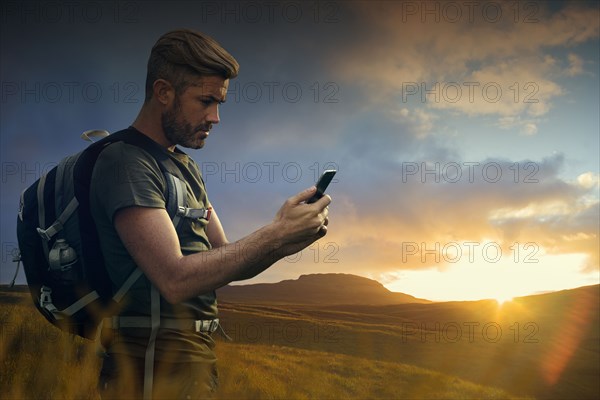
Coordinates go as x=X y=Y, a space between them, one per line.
x=502 y=281
x=502 y=299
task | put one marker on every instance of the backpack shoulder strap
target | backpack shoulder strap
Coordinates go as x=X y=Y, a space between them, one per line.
x=136 y=138
x=176 y=193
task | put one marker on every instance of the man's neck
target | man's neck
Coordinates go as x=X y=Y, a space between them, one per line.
x=148 y=123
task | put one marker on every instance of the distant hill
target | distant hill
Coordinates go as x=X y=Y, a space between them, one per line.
x=322 y=289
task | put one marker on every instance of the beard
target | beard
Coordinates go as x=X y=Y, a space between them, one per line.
x=179 y=131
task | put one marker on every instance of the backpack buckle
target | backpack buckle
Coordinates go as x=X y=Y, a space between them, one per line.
x=44 y=234
x=194 y=213
x=206 y=325
x=45 y=295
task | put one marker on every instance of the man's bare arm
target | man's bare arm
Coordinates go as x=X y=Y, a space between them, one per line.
x=150 y=238
x=217 y=238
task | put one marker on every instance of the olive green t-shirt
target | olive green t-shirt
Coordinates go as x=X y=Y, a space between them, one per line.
x=124 y=176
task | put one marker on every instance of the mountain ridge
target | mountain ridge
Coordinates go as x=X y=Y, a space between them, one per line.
x=323 y=288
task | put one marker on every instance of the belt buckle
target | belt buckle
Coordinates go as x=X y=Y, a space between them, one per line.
x=206 y=325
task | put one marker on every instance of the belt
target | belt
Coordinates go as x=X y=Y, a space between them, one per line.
x=200 y=325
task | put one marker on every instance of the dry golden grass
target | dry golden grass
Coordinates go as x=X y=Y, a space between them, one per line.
x=38 y=361
x=276 y=372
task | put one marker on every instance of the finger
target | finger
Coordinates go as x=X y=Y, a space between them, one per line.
x=323 y=201
x=303 y=195
x=323 y=215
x=322 y=232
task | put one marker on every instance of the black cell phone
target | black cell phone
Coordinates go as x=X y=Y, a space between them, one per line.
x=322 y=184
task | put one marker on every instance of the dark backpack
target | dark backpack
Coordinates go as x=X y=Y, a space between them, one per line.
x=58 y=241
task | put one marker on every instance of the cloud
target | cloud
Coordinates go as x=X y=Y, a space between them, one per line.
x=410 y=222
x=559 y=228
x=512 y=87
x=575 y=65
x=527 y=126
x=404 y=49
x=421 y=121
x=589 y=180
x=529 y=129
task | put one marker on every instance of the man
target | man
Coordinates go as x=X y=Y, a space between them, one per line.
x=187 y=79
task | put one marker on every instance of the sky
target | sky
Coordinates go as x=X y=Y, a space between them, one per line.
x=465 y=134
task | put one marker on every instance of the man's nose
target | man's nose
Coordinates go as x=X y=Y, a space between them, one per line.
x=213 y=115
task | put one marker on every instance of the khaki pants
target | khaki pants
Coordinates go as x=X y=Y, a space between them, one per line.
x=122 y=377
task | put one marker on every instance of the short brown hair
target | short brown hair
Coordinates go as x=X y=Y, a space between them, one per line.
x=183 y=54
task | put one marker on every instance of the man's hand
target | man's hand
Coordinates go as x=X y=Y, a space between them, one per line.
x=299 y=224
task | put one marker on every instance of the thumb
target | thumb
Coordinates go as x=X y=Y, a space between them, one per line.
x=303 y=195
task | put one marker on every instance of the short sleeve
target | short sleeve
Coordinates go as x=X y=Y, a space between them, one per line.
x=125 y=175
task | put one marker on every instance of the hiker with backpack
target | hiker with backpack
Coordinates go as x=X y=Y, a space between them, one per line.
x=188 y=76
x=122 y=242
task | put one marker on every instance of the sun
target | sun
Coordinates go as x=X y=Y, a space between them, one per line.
x=502 y=299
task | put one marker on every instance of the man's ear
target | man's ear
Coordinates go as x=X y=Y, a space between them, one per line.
x=164 y=92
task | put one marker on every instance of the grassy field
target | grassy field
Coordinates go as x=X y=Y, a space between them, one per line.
x=547 y=348
x=38 y=361
x=279 y=372
x=544 y=346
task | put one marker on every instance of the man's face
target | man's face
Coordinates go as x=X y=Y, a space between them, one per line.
x=188 y=121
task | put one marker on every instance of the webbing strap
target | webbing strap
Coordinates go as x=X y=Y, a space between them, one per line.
x=127 y=285
x=88 y=298
x=47 y=304
x=149 y=358
x=133 y=277
x=60 y=221
x=179 y=190
x=58 y=185
x=180 y=196
x=79 y=304
x=53 y=310
x=16 y=259
x=181 y=324
x=42 y=211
